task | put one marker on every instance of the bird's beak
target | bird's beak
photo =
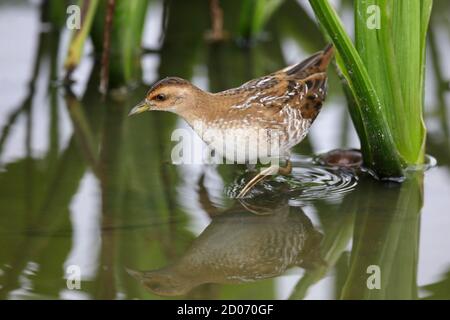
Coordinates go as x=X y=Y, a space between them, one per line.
x=140 y=107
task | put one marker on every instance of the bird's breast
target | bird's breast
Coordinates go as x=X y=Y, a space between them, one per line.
x=246 y=140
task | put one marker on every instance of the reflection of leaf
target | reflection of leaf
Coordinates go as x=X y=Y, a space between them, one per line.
x=48 y=195
x=38 y=193
x=83 y=132
x=386 y=235
x=338 y=228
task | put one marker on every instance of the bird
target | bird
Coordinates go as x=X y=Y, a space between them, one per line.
x=261 y=120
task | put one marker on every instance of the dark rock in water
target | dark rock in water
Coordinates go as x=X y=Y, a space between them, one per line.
x=343 y=158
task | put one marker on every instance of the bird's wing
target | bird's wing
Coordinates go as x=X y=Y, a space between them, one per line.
x=300 y=87
x=269 y=95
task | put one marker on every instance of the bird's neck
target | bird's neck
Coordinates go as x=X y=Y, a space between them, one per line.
x=204 y=108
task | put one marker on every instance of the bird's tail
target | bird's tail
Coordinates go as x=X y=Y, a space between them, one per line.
x=318 y=62
x=327 y=56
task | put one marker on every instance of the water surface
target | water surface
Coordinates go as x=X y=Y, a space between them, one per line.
x=82 y=184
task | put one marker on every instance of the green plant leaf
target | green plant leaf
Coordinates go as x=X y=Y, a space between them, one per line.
x=385 y=75
x=88 y=9
x=380 y=151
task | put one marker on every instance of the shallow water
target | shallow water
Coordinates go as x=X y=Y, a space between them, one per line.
x=83 y=185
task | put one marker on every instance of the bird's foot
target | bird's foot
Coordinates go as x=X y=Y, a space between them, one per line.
x=286 y=170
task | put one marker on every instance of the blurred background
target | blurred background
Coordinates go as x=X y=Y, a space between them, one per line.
x=82 y=184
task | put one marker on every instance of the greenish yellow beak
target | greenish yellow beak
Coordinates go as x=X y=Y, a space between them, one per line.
x=139 y=108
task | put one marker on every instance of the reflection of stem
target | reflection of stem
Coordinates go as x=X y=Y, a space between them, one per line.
x=54 y=99
x=104 y=78
x=43 y=213
x=111 y=182
x=49 y=215
x=83 y=132
x=26 y=104
x=106 y=288
x=10 y=123
x=28 y=178
x=171 y=206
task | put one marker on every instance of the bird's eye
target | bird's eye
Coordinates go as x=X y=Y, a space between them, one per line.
x=160 y=97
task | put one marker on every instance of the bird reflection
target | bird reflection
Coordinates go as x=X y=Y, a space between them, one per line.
x=255 y=239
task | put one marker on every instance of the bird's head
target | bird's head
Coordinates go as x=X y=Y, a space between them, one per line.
x=163 y=282
x=170 y=94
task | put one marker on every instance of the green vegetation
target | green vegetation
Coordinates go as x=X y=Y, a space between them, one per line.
x=385 y=75
x=79 y=37
x=254 y=15
x=125 y=37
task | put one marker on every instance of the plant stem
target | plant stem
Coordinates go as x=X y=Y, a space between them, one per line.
x=88 y=9
x=381 y=153
x=104 y=73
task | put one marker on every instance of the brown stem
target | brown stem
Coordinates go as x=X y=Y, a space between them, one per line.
x=217 y=17
x=216 y=33
x=104 y=72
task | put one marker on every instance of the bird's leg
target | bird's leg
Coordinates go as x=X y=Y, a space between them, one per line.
x=286 y=170
x=256 y=179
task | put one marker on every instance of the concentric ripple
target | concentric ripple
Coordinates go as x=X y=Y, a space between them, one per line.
x=308 y=182
x=313 y=183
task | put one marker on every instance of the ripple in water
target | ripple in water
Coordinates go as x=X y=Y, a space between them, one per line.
x=308 y=182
